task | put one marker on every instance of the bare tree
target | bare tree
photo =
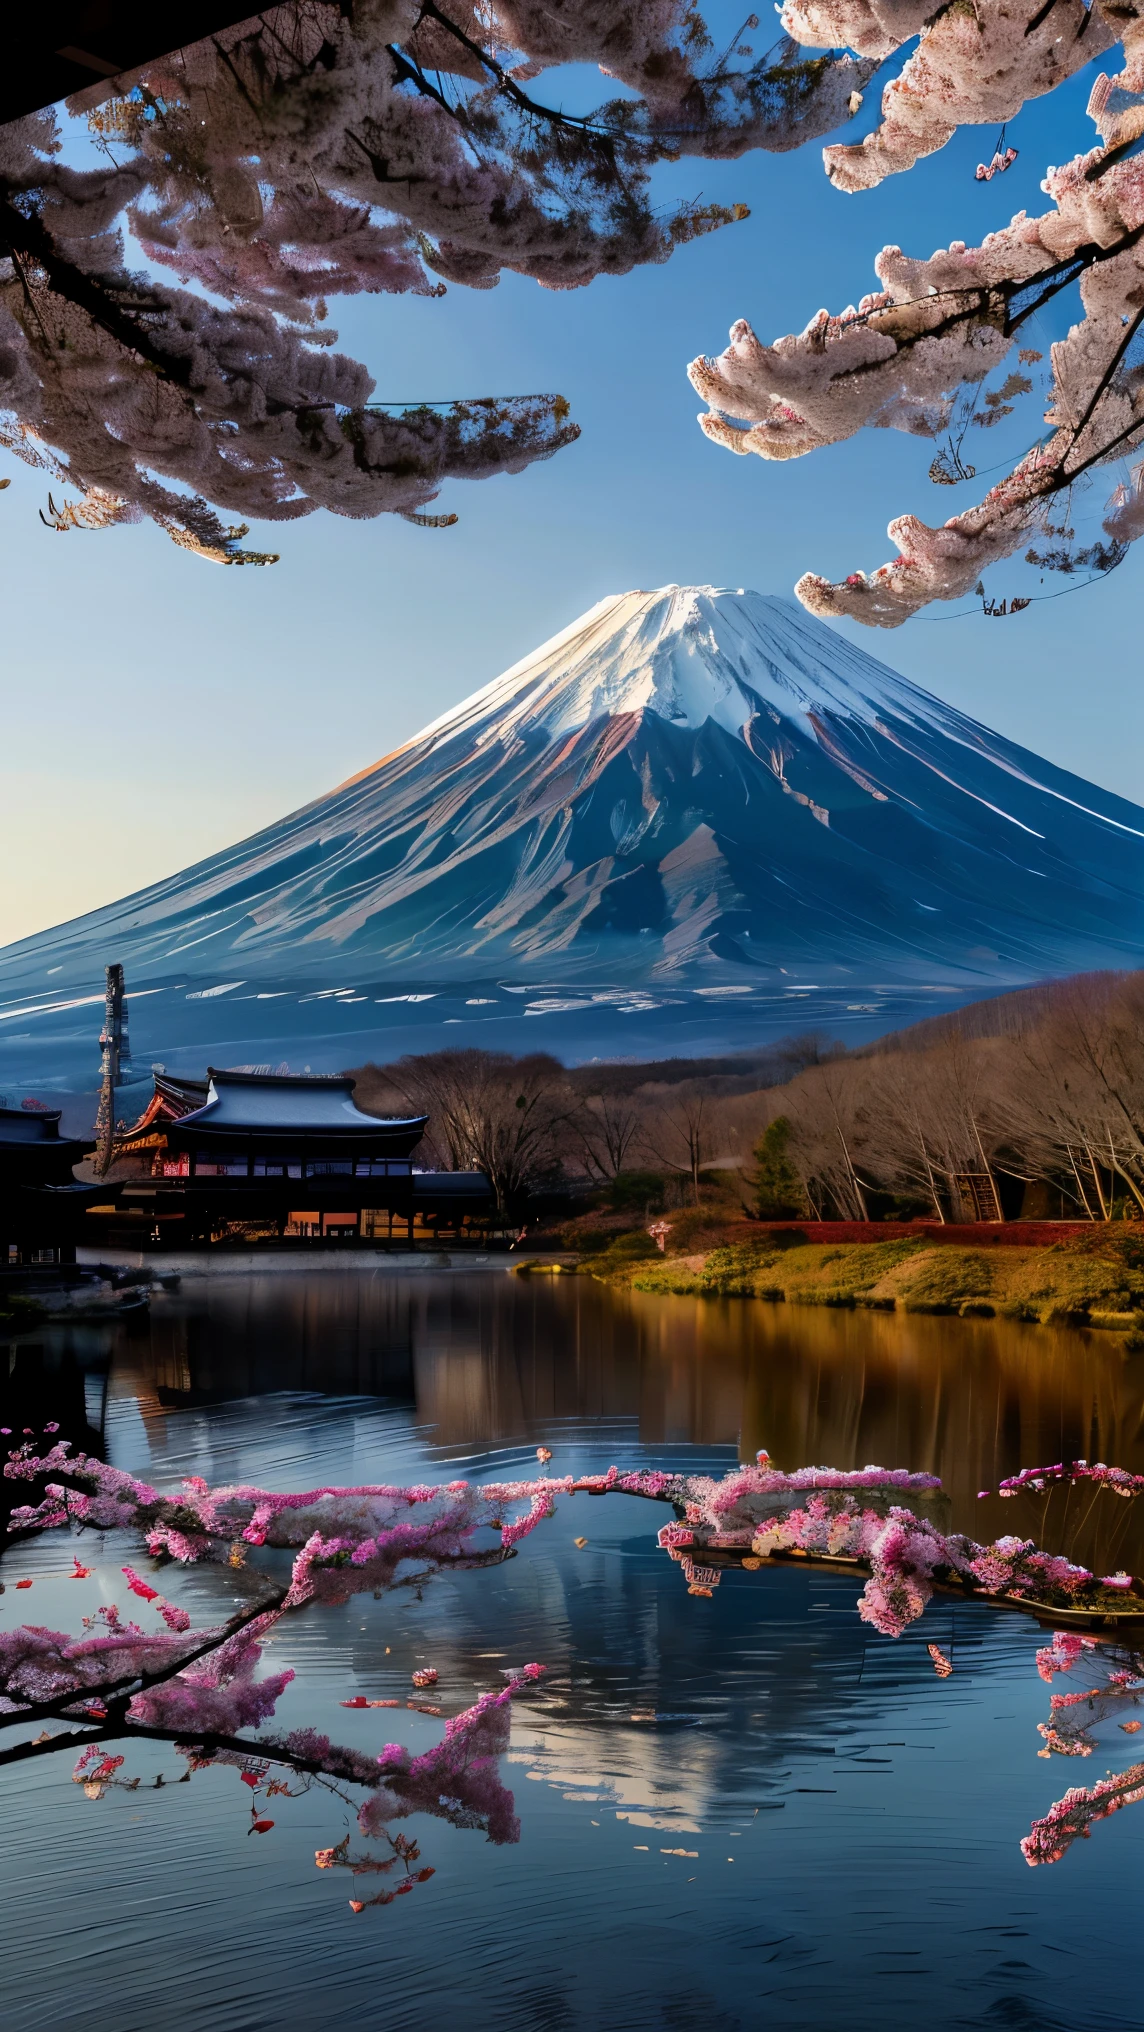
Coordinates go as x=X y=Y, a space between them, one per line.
x=824 y=1108
x=508 y=1117
x=677 y=1132
x=935 y=1122
x=904 y=1150
x=605 y=1127
x=1074 y=1101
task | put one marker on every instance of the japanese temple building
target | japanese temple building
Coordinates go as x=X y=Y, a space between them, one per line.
x=263 y=1157
x=41 y=1205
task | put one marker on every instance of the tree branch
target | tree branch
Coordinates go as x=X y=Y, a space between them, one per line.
x=139 y=1682
x=246 y=1746
x=25 y=233
x=568 y=122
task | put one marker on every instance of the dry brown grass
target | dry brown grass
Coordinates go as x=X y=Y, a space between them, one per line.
x=1096 y=1280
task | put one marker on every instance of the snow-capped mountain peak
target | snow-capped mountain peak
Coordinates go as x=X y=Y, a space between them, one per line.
x=689 y=654
x=687 y=793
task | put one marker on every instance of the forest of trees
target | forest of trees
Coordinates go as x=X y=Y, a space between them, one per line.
x=1030 y=1104
x=957 y=1118
x=535 y=1126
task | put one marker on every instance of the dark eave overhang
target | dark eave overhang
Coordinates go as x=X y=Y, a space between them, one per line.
x=387 y=1139
x=49 y=51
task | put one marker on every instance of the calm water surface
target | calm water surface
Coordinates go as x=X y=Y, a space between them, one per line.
x=850 y=1823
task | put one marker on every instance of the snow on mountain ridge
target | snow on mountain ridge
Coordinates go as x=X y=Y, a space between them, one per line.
x=689 y=792
x=689 y=654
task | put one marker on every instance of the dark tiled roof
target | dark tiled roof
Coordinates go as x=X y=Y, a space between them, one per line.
x=29 y=1125
x=242 y=1101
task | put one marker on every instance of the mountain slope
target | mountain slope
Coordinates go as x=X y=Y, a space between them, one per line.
x=687 y=790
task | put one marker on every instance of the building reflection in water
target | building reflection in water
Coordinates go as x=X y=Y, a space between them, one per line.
x=488 y=1361
x=56 y=1373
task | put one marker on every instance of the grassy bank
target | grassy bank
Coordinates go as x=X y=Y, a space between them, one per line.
x=1095 y=1280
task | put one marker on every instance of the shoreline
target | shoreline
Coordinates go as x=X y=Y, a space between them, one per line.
x=191 y=1264
x=1091 y=1279
x=1085 y=1279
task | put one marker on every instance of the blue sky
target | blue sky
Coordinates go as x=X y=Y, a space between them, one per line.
x=157 y=707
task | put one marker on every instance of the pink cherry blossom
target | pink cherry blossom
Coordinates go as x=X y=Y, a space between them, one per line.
x=1076 y=1812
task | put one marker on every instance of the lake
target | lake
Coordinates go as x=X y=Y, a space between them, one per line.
x=738 y=1811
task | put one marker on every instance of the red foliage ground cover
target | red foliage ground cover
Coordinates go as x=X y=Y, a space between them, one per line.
x=987 y=1234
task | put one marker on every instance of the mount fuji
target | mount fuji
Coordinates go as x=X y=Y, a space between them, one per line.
x=693 y=819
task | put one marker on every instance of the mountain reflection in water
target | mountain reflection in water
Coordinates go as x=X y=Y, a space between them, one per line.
x=740 y=1811
x=488 y=1361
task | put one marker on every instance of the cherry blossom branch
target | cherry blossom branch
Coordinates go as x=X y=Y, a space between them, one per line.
x=1076 y=1813
x=1118 y=1481
x=568 y=122
x=208 y=1741
x=970 y=67
x=456 y=1779
x=936 y=326
x=337 y=1531
x=316 y=151
x=23 y=233
x=350 y=1539
x=107 y=1690
x=346 y=1539
x=860 y=1517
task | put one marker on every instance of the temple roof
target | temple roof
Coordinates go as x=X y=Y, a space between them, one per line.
x=171 y=1100
x=29 y=1125
x=179 y=1096
x=32 y=1151
x=285 y=1102
x=37 y=1131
